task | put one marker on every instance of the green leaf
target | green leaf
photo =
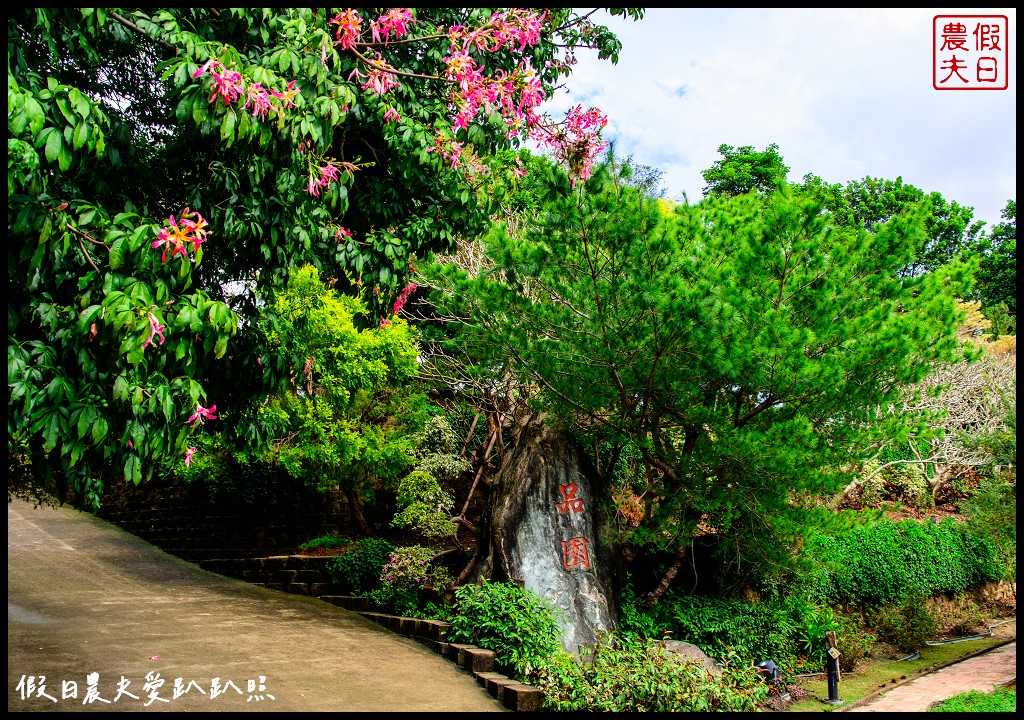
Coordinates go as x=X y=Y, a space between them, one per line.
x=99 y=430
x=36 y=115
x=54 y=144
x=81 y=135
x=227 y=128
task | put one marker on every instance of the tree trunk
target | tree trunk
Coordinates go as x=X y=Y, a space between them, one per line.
x=355 y=507
x=542 y=529
x=668 y=577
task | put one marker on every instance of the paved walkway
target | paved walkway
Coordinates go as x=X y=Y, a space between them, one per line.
x=90 y=606
x=978 y=673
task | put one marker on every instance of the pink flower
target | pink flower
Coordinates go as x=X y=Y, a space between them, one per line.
x=342 y=233
x=201 y=415
x=380 y=82
x=227 y=84
x=155 y=330
x=190 y=227
x=202 y=71
x=349 y=28
x=384 y=322
x=400 y=302
x=288 y=95
x=392 y=115
x=258 y=97
x=188 y=456
x=395 y=20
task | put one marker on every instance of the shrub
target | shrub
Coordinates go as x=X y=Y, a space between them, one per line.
x=358 y=570
x=331 y=540
x=855 y=642
x=779 y=630
x=906 y=625
x=634 y=675
x=882 y=563
x=425 y=507
x=521 y=627
x=410 y=568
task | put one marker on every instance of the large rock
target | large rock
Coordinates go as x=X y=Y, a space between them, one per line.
x=542 y=531
x=690 y=650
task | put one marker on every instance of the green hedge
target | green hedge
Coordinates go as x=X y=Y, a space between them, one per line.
x=888 y=561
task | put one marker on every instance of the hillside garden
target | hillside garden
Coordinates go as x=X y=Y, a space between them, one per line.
x=258 y=241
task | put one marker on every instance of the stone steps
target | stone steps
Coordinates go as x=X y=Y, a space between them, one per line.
x=511 y=693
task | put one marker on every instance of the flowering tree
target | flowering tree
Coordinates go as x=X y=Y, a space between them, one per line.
x=352 y=140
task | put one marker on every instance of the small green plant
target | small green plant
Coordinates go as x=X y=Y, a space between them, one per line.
x=625 y=674
x=331 y=540
x=358 y=570
x=425 y=507
x=975 y=701
x=521 y=627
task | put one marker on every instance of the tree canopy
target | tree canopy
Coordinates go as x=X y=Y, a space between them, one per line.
x=169 y=167
x=722 y=355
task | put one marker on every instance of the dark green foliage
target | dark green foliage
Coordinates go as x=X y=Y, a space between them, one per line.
x=975 y=701
x=950 y=229
x=907 y=624
x=230 y=477
x=358 y=570
x=634 y=675
x=997 y=275
x=521 y=627
x=885 y=562
x=781 y=630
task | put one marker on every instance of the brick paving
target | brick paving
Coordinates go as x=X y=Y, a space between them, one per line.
x=981 y=672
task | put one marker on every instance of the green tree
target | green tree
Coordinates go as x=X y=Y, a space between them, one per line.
x=345 y=420
x=169 y=167
x=744 y=169
x=997 y=274
x=739 y=345
x=950 y=229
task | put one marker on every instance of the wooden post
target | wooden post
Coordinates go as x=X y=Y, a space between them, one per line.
x=832 y=655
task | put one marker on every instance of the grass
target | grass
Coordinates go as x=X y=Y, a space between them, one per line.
x=974 y=701
x=326 y=541
x=874 y=675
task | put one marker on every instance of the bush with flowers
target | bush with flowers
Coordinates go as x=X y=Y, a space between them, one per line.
x=410 y=572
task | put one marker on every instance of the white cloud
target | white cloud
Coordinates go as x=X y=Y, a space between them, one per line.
x=844 y=93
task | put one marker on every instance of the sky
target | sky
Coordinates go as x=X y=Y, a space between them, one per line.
x=844 y=93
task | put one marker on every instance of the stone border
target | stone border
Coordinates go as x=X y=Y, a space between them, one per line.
x=514 y=695
x=868 y=698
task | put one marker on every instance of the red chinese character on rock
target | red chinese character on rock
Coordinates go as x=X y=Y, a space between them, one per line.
x=575 y=553
x=571 y=502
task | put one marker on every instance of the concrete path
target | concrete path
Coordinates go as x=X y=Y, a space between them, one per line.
x=94 y=611
x=981 y=672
